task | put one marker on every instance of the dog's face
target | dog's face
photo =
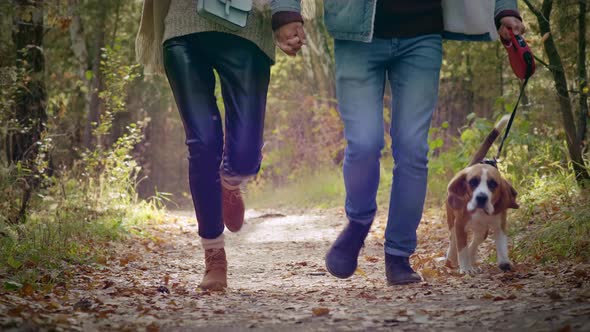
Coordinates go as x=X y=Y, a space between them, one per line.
x=481 y=187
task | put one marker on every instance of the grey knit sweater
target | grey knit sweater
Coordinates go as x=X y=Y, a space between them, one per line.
x=182 y=19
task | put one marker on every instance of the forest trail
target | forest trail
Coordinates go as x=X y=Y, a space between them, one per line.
x=278 y=283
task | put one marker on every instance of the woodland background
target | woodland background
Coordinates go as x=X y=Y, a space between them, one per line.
x=90 y=148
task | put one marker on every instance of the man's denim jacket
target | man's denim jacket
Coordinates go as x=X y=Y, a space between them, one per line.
x=464 y=19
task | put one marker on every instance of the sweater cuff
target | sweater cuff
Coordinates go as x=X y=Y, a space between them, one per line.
x=506 y=13
x=282 y=18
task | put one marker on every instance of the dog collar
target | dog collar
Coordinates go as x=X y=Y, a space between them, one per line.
x=491 y=162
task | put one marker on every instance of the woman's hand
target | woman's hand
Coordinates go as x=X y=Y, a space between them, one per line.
x=290 y=37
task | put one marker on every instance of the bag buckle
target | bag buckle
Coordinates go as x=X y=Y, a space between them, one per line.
x=227 y=6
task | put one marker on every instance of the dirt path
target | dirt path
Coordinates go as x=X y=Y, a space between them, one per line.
x=278 y=283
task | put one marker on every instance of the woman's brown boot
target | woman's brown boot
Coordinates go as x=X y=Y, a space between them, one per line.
x=233 y=206
x=215 y=278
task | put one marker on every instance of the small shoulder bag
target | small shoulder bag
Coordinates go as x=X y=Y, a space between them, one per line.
x=232 y=14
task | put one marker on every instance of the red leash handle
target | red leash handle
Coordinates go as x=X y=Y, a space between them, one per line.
x=523 y=65
x=520 y=56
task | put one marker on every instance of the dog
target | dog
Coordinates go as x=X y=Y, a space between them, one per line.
x=477 y=200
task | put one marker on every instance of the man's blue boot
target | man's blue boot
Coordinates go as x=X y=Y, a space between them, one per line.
x=398 y=270
x=342 y=258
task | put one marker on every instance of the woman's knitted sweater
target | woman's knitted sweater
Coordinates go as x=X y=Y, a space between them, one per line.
x=165 y=19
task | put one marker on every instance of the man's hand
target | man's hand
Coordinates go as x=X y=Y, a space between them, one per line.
x=290 y=37
x=510 y=23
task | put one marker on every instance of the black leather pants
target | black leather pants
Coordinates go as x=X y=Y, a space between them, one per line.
x=244 y=72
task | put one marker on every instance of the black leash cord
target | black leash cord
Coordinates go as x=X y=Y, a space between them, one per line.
x=512 y=116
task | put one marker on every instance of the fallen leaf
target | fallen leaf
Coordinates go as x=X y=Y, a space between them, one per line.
x=367 y=296
x=62 y=319
x=152 y=327
x=27 y=290
x=372 y=259
x=361 y=272
x=554 y=295
x=580 y=273
x=83 y=305
x=107 y=284
x=16 y=311
x=163 y=289
x=52 y=305
x=428 y=273
x=487 y=296
x=320 y=311
x=105 y=313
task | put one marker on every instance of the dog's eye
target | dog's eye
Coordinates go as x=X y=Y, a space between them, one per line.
x=492 y=184
x=473 y=182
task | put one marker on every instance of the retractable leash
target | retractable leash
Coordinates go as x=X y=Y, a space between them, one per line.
x=523 y=65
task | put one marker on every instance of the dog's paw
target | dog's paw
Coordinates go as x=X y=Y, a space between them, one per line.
x=451 y=264
x=506 y=266
x=469 y=270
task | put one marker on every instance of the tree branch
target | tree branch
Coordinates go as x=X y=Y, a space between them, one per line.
x=535 y=10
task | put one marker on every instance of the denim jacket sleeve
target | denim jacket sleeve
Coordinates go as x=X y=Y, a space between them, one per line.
x=285 y=6
x=503 y=5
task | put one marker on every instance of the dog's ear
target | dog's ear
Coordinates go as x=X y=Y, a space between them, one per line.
x=508 y=197
x=457 y=190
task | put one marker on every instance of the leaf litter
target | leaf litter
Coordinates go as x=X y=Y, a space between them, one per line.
x=151 y=284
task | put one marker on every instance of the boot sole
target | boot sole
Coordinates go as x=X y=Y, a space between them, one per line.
x=217 y=287
x=403 y=282
x=340 y=276
x=234 y=229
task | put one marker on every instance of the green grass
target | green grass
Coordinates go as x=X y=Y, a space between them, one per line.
x=319 y=189
x=322 y=189
x=38 y=251
x=553 y=223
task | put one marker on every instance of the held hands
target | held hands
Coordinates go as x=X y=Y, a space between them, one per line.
x=510 y=23
x=290 y=37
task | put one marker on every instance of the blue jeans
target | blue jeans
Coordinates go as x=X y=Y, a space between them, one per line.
x=412 y=66
x=244 y=73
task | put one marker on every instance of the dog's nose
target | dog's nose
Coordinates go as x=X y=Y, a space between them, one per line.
x=481 y=199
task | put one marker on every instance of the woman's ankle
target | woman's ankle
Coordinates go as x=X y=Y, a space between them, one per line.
x=216 y=243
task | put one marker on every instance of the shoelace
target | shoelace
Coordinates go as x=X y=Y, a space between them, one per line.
x=233 y=194
x=215 y=260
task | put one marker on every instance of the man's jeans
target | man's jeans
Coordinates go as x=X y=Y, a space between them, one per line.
x=412 y=66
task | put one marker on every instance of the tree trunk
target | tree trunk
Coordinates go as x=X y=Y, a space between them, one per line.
x=582 y=74
x=117 y=13
x=30 y=98
x=80 y=50
x=78 y=38
x=96 y=85
x=558 y=71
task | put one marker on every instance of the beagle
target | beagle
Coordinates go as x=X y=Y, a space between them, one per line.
x=478 y=200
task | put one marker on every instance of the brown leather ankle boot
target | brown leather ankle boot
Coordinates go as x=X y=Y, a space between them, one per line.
x=233 y=207
x=215 y=278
